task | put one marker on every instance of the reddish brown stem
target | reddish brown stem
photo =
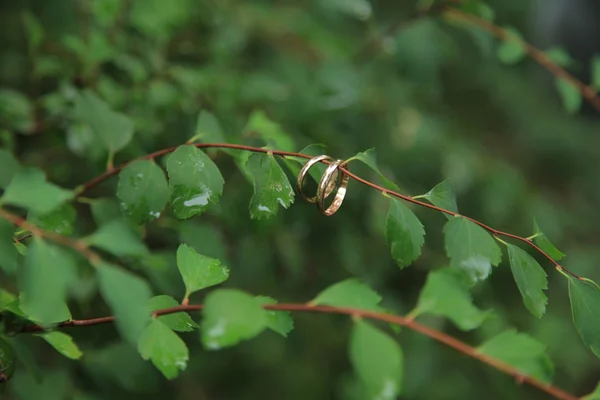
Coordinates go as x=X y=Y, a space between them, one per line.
x=533 y=52
x=115 y=170
x=393 y=319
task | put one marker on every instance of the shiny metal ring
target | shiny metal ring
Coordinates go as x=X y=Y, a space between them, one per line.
x=327 y=180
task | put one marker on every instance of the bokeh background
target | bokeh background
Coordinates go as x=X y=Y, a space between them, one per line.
x=430 y=96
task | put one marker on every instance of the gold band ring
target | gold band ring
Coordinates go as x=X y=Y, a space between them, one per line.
x=328 y=179
x=304 y=172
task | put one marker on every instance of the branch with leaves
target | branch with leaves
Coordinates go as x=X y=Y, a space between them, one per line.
x=144 y=192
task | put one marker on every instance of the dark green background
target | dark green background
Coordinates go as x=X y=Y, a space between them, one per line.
x=431 y=97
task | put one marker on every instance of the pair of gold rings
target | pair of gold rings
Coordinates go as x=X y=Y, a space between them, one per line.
x=327 y=184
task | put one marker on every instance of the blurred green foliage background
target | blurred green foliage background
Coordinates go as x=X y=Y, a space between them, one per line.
x=429 y=95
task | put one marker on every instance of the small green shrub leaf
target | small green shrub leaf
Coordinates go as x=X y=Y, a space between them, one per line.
x=128 y=296
x=585 y=307
x=63 y=343
x=29 y=189
x=545 y=244
x=404 y=233
x=114 y=130
x=34 y=29
x=208 y=129
x=143 y=191
x=229 y=317
x=198 y=271
x=60 y=220
x=471 y=248
x=569 y=94
x=511 y=50
x=47 y=273
x=349 y=293
x=271 y=186
x=446 y=293
x=195 y=181
x=377 y=360
x=521 y=351
x=369 y=158
x=260 y=125
x=117 y=238
x=164 y=348
x=278 y=321
x=531 y=279
x=10 y=166
x=443 y=196
x=180 y=322
x=8 y=251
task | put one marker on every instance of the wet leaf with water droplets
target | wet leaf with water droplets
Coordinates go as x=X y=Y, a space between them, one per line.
x=471 y=248
x=271 y=186
x=180 y=321
x=198 y=271
x=377 y=360
x=143 y=190
x=164 y=348
x=195 y=181
x=230 y=316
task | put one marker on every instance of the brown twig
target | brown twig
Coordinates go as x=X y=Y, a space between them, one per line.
x=115 y=170
x=390 y=318
x=78 y=245
x=532 y=52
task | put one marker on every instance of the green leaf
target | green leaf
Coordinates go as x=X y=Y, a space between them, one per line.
x=62 y=343
x=479 y=9
x=545 y=244
x=369 y=158
x=164 y=348
x=230 y=316
x=511 y=50
x=278 y=321
x=60 y=220
x=35 y=31
x=143 y=190
x=585 y=306
x=404 y=233
x=8 y=251
x=569 y=94
x=180 y=321
x=377 y=360
x=595 y=70
x=271 y=187
x=259 y=124
x=10 y=166
x=7 y=360
x=113 y=129
x=195 y=181
x=521 y=351
x=595 y=395
x=208 y=129
x=198 y=271
x=349 y=293
x=128 y=296
x=531 y=279
x=16 y=111
x=104 y=210
x=29 y=189
x=471 y=248
x=442 y=196
x=47 y=273
x=5 y=299
x=560 y=57
x=118 y=239
x=445 y=293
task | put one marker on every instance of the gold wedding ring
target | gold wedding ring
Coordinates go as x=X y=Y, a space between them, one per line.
x=304 y=172
x=328 y=182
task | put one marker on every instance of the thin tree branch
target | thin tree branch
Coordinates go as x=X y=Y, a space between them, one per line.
x=390 y=318
x=532 y=52
x=115 y=170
